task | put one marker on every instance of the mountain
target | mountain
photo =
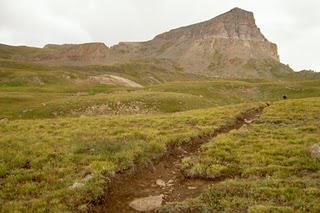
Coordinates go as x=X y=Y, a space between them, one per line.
x=227 y=46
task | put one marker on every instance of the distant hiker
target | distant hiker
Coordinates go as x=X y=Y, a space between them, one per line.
x=285 y=97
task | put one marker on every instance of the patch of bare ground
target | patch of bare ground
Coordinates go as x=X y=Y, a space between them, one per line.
x=164 y=178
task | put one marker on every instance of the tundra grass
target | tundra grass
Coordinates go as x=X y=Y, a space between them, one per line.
x=72 y=99
x=63 y=164
x=41 y=105
x=30 y=90
x=223 y=92
x=267 y=166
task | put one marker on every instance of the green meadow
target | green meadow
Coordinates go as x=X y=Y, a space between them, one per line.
x=267 y=166
x=63 y=136
x=42 y=159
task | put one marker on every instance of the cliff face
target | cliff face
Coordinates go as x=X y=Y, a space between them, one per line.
x=233 y=35
x=225 y=46
x=235 y=24
x=88 y=53
x=221 y=47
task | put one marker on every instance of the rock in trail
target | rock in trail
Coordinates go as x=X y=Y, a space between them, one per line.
x=147 y=204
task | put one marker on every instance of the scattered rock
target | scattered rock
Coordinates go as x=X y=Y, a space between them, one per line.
x=77 y=185
x=315 y=151
x=161 y=183
x=4 y=120
x=182 y=151
x=37 y=80
x=81 y=183
x=67 y=76
x=248 y=121
x=115 y=80
x=170 y=183
x=81 y=94
x=87 y=178
x=192 y=187
x=147 y=203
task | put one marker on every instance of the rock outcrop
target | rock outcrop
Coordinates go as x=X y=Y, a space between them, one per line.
x=215 y=47
x=88 y=53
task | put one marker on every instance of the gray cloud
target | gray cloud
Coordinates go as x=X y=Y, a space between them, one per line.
x=293 y=24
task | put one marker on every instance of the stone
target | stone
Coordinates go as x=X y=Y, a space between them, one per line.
x=77 y=185
x=147 y=203
x=161 y=183
x=87 y=178
x=248 y=121
x=4 y=120
x=192 y=187
x=81 y=183
x=170 y=183
x=315 y=151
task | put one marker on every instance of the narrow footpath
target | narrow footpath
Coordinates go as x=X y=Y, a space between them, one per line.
x=144 y=188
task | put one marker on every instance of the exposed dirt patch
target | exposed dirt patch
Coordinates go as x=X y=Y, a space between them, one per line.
x=115 y=80
x=165 y=177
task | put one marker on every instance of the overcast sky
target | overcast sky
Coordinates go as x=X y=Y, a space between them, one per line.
x=293 y=24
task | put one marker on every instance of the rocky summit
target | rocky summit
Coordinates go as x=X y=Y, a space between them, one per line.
x=227 y=46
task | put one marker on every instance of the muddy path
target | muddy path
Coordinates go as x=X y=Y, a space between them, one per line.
x=165 y=177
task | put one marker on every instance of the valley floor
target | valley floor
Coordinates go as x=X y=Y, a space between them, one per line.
x=69 y=143
x=267 y=165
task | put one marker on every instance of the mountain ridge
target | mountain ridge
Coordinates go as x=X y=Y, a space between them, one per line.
x=229 y=45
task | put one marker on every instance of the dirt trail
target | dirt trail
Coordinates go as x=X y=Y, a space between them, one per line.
x=142 y=182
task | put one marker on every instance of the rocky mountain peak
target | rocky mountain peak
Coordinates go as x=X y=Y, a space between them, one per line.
x=238 y=24
x=235 y=24
x=225 y=46
x=238 y=10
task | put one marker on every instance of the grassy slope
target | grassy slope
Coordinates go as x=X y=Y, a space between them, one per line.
x=42 y=159
x=33 y=91
x=267 y=165
x=222 y=92
x=163 y=98
x=44 y=106
x=15 y=52
x=41 y=91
